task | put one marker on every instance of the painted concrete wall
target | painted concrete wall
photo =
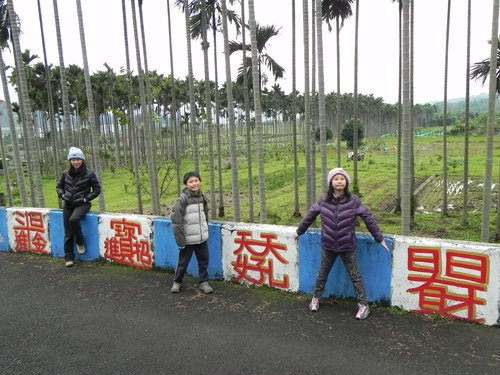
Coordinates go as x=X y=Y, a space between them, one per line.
x=460 y=280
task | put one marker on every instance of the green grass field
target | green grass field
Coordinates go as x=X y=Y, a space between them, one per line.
x=376 y=177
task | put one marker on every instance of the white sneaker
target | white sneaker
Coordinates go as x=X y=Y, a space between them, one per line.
x=314 y=305
x=69 y=263
x=80 y=249
x=363 y=312
x=205 y=287
x=176 y=287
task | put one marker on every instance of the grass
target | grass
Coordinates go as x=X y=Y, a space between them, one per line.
x=376 y=177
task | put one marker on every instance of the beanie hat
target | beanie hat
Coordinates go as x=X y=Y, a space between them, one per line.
x=75 y=153
x=336 y=171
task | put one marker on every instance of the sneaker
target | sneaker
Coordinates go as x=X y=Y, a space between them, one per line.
x=69 y=263
x=176 y=287
x=314 y=305
x=363 y=312
x=205 y=287
x=80 y=248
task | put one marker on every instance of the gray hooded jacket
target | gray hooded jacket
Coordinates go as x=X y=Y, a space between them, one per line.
x=189 y=218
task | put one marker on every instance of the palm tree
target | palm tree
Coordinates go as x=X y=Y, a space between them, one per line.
x=34 y=164
x=208 y=110
x=400 y=86
x=192 y=107
x=307 y=107
x=406 y=175
x=247 y=119
x=263 y=35
x=485 y=221
x=257 y=108
x=296 y=211
x=232 y=126
x=18 y=168
x=50 y=102
x=481 y=70
x=132 y=129
x=321 y=94
x=90 y=100
x=68 y=133
x=465 y=217
x=173 y=111
x=445 y=115
x=149 y=123
x=338 y=10
x=355 y=184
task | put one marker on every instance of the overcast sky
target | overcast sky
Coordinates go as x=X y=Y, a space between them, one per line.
x=378 y=42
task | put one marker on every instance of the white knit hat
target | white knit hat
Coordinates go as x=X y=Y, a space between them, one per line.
x=75 y=153
x=336 y=171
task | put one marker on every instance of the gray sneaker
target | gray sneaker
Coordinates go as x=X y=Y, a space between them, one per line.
x=176 y=287
x=205 y=287
x=80 y=249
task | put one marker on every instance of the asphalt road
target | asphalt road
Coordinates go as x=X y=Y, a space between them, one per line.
x=100 y=318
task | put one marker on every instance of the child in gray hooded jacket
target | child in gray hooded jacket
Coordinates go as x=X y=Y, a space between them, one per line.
x=190 y=225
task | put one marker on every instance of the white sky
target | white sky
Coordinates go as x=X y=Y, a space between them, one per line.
x=378 y=43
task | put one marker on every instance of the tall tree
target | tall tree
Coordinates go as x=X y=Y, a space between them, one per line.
x=232 y=125
x=147 y=113
x=338 y=10
x=68 y=132
x=50 y=102
x=465 y=216
x=485 y=220
x=132 y=128
x=355 y=185
x=445 y=114
x=307 y=106
x=208 y=110
x=4 y=43
x=405 y=140
x=321 y=95
x=90 y=100
x=248 y=121
x=296 y=211
x=34 y=163
x=192 y=106
x=258 y=110
x=173 y=110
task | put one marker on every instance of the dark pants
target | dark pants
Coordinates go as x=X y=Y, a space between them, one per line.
x=201 y=252
x=352 y=266
x=73 y=229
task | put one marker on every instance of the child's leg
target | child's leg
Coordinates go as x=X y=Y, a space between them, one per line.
x=327 y=261
x=352 y=266
x=182 y=264
x=201 y=252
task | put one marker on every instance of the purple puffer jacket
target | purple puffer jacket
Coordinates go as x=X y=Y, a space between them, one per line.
x=338 y=220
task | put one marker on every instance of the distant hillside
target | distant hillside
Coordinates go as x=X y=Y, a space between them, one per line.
x=477 y=103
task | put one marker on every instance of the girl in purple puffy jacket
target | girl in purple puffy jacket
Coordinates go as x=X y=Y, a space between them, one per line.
x=338 y=210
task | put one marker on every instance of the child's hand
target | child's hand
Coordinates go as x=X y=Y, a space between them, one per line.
x=385 y=246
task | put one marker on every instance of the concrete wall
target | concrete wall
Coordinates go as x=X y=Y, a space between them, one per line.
x=455 y=279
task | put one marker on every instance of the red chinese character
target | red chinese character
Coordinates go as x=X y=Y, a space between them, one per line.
x=258 y=261
x=29 y=231
x=454 y=290
x=126 y=247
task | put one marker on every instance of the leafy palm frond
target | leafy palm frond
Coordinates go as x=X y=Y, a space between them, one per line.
x=481 y=70
x=333 y=9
